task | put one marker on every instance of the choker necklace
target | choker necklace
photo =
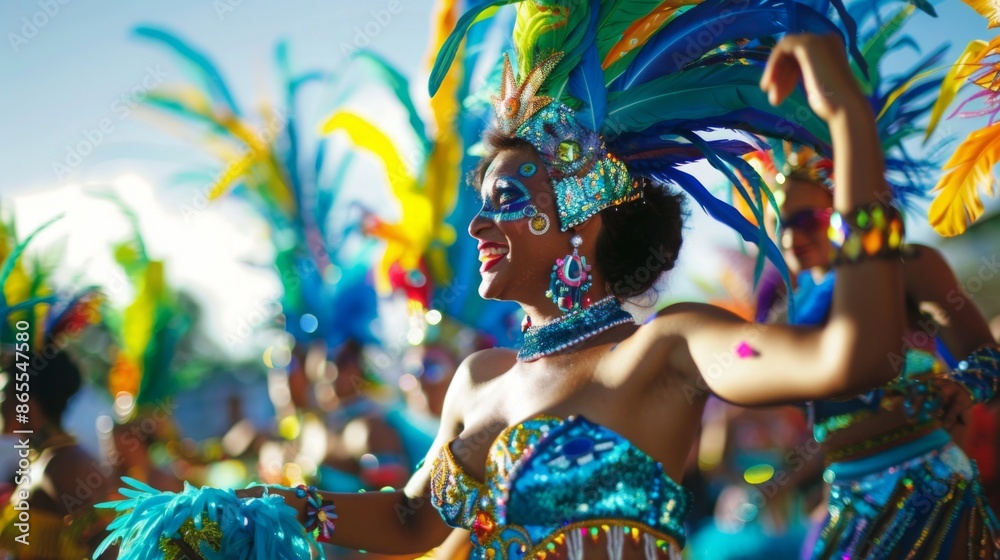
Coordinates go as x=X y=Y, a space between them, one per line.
x=572 y=329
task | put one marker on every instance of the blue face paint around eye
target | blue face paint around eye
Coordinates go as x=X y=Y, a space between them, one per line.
x=512 y=201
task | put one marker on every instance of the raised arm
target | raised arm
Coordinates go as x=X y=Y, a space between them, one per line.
x=753 y=364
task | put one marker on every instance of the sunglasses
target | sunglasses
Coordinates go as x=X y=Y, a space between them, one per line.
x=808 y=220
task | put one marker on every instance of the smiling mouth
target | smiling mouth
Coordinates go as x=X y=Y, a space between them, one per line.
x=490 y=256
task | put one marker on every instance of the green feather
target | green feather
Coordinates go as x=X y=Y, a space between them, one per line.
x=875 y=48
x=703 y=93
x=449 y=49
x=538 y=33
x=11 y=260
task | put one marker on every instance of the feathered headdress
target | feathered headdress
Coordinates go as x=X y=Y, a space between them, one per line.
x=147 y=331
x=29 y=303
x=969 y=170
x=293 y=181
x=633 y=85
x=25 y=293
x=424 y=256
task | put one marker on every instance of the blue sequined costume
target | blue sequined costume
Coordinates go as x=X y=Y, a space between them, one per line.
x=894 y=493
x=554 y=484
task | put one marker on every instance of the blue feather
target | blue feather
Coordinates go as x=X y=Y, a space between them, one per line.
x=851 y=29
x=681 y=42
x=651 y=153
x=701 y=96
x=216 y=85
x=726 y=214
x=586 y=81
x=722 y=162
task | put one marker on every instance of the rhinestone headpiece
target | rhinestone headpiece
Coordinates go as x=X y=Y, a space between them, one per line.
x=585 y=177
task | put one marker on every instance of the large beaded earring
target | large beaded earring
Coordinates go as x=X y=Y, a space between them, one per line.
x=570 y=280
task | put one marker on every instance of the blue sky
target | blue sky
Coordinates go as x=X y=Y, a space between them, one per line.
x=81 y=65
x=69 y=68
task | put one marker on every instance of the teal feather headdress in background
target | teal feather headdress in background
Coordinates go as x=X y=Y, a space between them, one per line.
x=293 y=180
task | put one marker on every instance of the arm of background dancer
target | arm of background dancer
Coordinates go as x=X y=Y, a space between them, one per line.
x=957 y=320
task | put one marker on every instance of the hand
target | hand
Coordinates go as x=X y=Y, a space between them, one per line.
x=820 y=62
x=288 y=494
x=955 y=402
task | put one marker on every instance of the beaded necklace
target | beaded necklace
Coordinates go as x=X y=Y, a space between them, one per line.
x=572 y=329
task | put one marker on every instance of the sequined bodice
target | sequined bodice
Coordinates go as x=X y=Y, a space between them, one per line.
x=552 y=484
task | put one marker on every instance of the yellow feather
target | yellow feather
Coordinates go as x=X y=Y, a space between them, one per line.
x=365 y=135
x=989 y=9
x=953 y=81
x=957 y=203
x=406 y=240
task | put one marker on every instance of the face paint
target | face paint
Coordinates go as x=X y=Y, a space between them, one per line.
x=513 y=201
x=527 y=170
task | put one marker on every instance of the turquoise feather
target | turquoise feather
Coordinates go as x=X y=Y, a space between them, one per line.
x=264 y=527
x=450 y=47
x=213 y=79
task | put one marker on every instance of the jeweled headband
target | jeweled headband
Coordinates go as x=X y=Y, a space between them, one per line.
x=585 y=177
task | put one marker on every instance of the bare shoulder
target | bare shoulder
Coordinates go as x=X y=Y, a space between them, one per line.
x=477 y=371
x=485 y=365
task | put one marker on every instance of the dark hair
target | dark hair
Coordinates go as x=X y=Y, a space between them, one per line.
x=53 y=382
x=639 y=240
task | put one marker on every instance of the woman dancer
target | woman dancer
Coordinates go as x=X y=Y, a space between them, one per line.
x=898 y=482
x=552 y=449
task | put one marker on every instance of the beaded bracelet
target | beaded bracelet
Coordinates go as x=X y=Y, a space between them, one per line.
x=870 y=231
x=319 y=513
x=979 y=373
